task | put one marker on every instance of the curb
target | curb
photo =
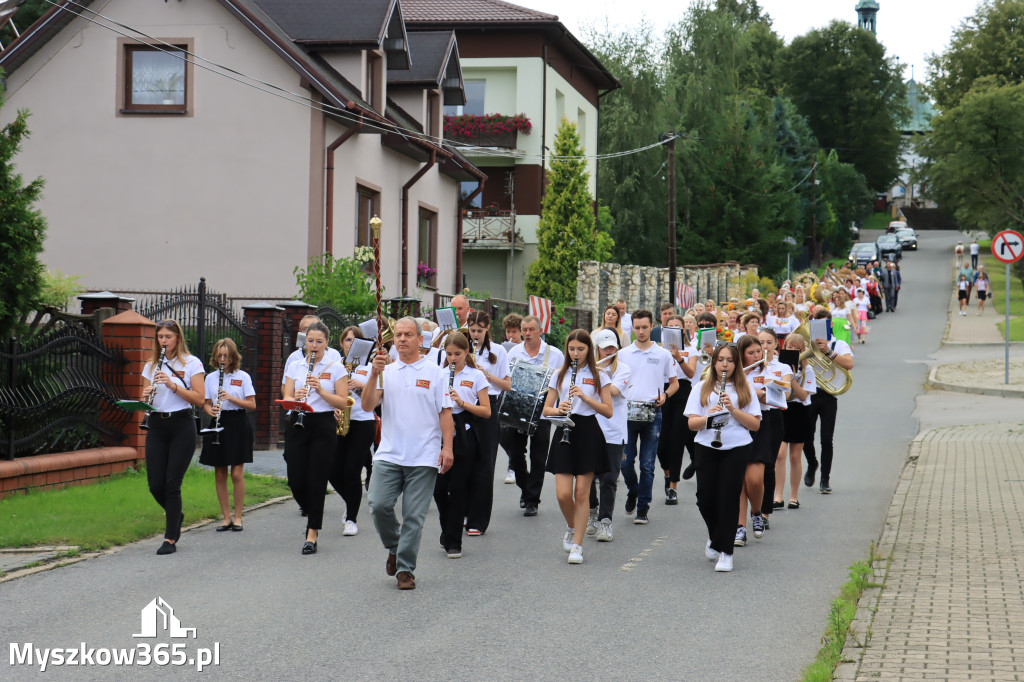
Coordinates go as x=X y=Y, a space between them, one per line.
x=935 y=384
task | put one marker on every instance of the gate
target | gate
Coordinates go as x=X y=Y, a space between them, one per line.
x=58 y=393
x=205 y=318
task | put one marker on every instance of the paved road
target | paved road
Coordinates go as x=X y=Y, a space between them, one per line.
x=647 y=605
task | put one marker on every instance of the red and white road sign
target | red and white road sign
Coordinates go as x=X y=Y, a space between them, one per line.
x=1008 y=246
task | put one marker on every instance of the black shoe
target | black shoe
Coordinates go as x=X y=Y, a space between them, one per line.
x=688 y=472
x=167 y=548
x=309 y=547
x=778 y=504
x=237 y=527
x=222 y=528
x=667 y=486
x=824 y=488
x=630 y=502
x=812 y=468
x=531 y=510
x=443 y=544
x=671 y=496
x=641 y=517
x=302 y=512
x=522 y=504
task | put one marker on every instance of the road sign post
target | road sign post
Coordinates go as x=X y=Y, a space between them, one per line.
x=1007 y=247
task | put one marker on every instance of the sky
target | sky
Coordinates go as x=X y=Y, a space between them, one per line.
x=909 y=29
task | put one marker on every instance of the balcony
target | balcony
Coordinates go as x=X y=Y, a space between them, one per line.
x=488 y=229
x=489 y=130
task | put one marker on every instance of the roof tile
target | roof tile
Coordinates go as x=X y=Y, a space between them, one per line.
x=471 y=12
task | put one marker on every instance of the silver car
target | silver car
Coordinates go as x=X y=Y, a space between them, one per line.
x=907 y=237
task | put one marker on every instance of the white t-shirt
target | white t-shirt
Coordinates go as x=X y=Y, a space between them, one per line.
x=585 y=380
x=733 y=433
x=327 y=371
x=862 y=303
x=761 y=376
x=181 y=374
x=299 y=355
x=626 y=323
x=809 y=383
x=361 y=374
x=650 y=370
x=520 y=354
x=615 y=428
x=414 y=396
x=974 y=248
x=499 y=368
x=962 y=285
x=237 y=384
x=784 y=325
x=981 y=284
x=468 y=384
x=837 y=311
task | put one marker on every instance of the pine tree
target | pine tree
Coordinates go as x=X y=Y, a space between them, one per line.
x=21 y=232
x=567 y=232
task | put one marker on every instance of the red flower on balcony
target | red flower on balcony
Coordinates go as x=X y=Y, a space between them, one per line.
x=470 y=126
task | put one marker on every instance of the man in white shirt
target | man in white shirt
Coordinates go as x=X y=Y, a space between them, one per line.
x=651 y=367
x=975 y=250
x=415 y=444
x=532 y=351
x=461 y=305
x=826 y=406
x=625 y=319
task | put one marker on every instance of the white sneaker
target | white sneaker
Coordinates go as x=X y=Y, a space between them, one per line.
x=567 y=540
x=604 y=530
x=576 y=555
x=510 y=477
x=711 y=554
x=350 y=528
x=592 y=523
x=724 y=564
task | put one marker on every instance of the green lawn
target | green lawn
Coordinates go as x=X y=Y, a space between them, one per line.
x=997 y=274
x=116 y=511
x=877 y=221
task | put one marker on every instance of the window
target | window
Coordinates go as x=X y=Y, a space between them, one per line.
x=474 y=100
x=467 y=187
x=367 y=206
x=373 y=92
x=156 y=81
x=428 y=245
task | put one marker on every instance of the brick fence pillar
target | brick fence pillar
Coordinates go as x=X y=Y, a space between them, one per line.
x=293 y=312
x=132 y=335
x=105 y=299
x=270 y=355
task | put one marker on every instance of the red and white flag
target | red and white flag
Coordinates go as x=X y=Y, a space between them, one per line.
x=685 y=295
x=541 y=309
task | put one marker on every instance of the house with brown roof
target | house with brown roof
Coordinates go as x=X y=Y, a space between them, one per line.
x=238 y=139
x=515 y=61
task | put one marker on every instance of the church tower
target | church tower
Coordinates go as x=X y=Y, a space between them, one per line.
x=866 y=11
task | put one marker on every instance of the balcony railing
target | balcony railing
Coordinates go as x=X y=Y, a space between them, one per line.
x=489 y=229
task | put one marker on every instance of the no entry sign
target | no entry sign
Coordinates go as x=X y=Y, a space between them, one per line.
x=1008 y=246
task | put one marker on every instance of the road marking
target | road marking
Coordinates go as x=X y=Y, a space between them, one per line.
x=638 y=559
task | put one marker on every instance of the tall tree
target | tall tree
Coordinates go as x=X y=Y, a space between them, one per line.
x=22 y=228
x=567 y=232
x=988 y=43
x=853 y=96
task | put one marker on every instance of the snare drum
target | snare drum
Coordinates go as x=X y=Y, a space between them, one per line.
x=640 y=411
x=521 y=407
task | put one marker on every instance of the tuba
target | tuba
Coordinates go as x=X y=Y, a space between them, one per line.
x=832 y=378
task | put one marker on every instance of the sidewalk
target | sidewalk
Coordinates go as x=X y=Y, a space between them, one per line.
x=973 y=329
x=951 y=604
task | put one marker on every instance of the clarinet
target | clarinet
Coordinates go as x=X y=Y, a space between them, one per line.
x=152 y=395
x=451 y=376
x=716 y=441
x=309 y=375
x=567 y=427
x=220 y=387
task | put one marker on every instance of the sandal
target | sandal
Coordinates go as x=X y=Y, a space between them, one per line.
x=778 y=504
x=794 y=505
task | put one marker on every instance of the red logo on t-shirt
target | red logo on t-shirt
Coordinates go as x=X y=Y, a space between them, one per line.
x=758 y=380
x=467 y=384
x=361 y=371
x=236 y=382
x=778 y=374
x=325 y=376
x=589 y=381
x=423 y=383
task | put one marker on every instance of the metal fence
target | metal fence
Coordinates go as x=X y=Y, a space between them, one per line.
x=205 y=317
x=58 y=393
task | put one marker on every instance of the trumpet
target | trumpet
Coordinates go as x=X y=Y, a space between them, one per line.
x=567 y=427
x=716 y=440
x=832 y=378
x=152 y=394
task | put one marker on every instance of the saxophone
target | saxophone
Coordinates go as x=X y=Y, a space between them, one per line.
x=345 y=421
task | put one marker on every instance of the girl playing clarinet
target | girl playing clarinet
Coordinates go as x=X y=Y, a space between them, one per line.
x=229 y=393
x=467 y=387
x=175 y=385
x=720 y=469
x=579 y=453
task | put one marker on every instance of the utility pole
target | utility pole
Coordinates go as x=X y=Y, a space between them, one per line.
x=815 y=250
x=672 y=217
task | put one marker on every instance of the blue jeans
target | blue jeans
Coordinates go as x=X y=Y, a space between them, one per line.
x=648 y=435
x=416 y=486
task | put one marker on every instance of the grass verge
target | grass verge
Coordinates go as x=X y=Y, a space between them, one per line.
x=997 y=275
x=116 y=511
x=843 y=610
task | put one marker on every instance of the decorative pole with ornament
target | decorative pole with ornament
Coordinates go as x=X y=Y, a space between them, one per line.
x=375 y=224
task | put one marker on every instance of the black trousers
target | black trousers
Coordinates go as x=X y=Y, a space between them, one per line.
x=350 y=456
x=774 y=421
x=170 y=444
x=608 y=482
x=530 y=484
x=310 y=451
x=481 y=478
x=452 y=488
x=675 y=433
x=719 y=481
x=824 y=406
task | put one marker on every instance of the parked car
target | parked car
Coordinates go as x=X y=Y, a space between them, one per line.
x=907 y=237
x=889 y=247
x=863 y=253
x=896 y=225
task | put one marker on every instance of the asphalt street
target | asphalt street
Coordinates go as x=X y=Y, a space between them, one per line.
x=648 y=605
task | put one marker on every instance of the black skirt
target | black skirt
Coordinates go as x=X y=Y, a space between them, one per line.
x=235 y=441
x=795 y=424
x=584 y=453
x=765 y=448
